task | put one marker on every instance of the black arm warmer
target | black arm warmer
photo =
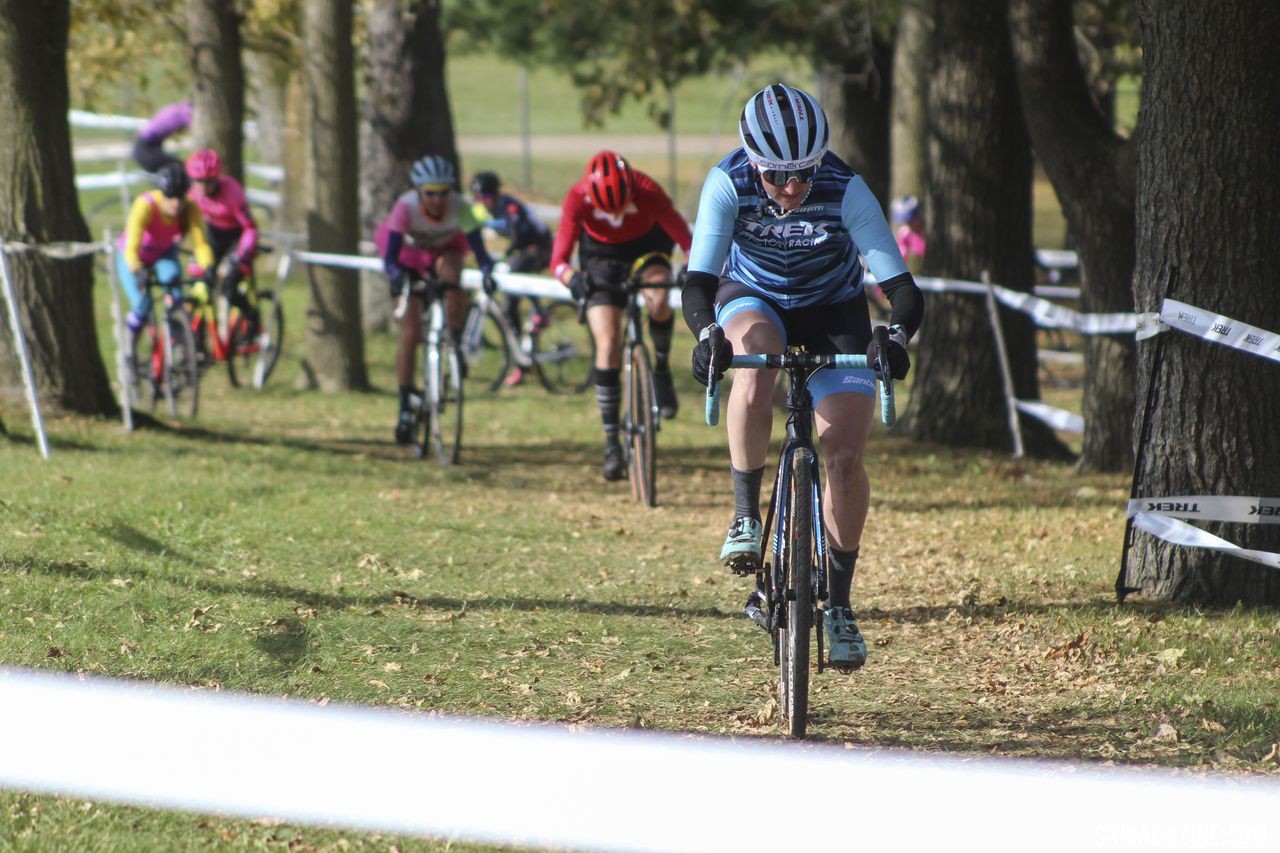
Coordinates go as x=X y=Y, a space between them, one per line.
x=906 y=302
x=697 y=300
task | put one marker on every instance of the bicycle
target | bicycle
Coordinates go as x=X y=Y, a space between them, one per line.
x=173 y=370
x=640 y=420
x=439 y=409
x=791 y=586
x=554 y=345
x=224 y=332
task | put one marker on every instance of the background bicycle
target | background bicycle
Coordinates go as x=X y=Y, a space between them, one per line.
x=792 y=583
x=553 y=345
x=439 y=409
x=640 y=419
x=161 y=362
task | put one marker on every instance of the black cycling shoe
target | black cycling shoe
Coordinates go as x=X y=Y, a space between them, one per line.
x=615 y=462
x=404 y=427
x=665 y=389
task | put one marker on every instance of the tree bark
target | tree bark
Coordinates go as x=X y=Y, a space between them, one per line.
x=979 y=201
x=855 y=93
x=908 y=123
x=38 y=205
x=1093 y=172
x=404 y=115
x=1209 y=212
x=213 y=40
x=335 y=342
x=266 y=100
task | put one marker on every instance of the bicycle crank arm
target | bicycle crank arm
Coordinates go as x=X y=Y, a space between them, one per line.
x=755 y=614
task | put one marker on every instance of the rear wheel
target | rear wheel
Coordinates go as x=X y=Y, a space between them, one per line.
x=444 y=394
x=563 y=350
x=640 y=424
x=795 y=564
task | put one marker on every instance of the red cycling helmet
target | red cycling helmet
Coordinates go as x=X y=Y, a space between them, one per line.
x=204 y=165
x=612 y=181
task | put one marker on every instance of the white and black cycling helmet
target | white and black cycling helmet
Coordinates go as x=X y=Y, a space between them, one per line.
x=432 y=170
x=784 y=128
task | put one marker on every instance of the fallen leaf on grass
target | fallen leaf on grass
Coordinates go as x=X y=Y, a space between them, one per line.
x=382 y=685
x=391 y=667
x=1272 y=757
x=1059 y=651
x=1169 y=657
x=1166 y=733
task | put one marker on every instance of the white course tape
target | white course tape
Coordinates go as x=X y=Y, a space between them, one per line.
x=545 y=785
x=1180 y=533
x=519 y=284
x=80 y=118
x=1218 y=329
x=1046 y=314
x=1057 y=259
x=63 y=250
x=1059 y=419
x=1211 y=508
x=102 y=180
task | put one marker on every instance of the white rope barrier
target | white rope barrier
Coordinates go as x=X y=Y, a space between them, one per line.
x=554 y=786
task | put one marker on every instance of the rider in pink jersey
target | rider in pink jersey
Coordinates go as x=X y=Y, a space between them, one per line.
x=228 y=222
x=910 y=233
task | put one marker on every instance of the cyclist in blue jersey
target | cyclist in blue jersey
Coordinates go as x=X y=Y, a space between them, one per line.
x=781 y=228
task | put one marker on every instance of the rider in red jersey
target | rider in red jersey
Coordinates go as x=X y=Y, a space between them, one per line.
x=617 y=215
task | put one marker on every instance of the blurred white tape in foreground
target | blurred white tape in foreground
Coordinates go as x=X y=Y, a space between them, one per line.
x=1180 y=533
x=544 y=785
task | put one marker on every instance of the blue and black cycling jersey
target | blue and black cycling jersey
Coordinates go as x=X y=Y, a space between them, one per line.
x=809 y=256
x=514 y=220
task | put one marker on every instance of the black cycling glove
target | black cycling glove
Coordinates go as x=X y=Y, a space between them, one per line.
x=706 y=349
x=899 y=360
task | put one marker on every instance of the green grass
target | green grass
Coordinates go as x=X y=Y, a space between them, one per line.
x=282 y=545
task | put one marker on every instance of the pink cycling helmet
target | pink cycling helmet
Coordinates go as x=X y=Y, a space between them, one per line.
x=204 y=165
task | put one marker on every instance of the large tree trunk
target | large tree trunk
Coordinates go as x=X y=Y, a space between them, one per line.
x=38 y=205
x=854 y=76
x=405 y=115
x=266 y=97
x=979 y=202
x=1092 y=170
x=1209 y=213
x=335 y=341
x=912 y=53
x=213 y=39
x=855 y=94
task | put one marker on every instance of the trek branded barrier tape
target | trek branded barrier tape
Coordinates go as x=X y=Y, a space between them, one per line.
x=1216 y=328
x=1161 y=517
x=543 y=785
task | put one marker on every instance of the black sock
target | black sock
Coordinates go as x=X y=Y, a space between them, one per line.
x=746 y=492
x=840 y=565
x=406 y=391
x=660 y=332
x=609 y=399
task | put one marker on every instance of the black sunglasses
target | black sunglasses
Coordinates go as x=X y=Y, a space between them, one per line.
x=782 y=177
x=434 y=193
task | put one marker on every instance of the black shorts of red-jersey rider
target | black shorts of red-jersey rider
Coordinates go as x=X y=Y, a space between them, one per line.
x=609 y=264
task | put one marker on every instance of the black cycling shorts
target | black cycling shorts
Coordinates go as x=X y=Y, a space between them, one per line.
x=608 y=265
x=842 y=327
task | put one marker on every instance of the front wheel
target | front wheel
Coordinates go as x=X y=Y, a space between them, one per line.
x=179 y=365
x=794 y=564
x=640 y=426
x=443 y=366
x=485 y=345
x=563 y=350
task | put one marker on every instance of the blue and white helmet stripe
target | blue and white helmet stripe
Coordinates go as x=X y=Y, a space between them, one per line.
x=431 y=170
x=783 y=128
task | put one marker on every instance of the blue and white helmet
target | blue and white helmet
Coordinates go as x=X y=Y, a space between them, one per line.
x=905 y=208
x=432 y=170
x=783 y=128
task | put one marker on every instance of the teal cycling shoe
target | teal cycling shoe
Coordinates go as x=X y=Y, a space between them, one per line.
x=845 y=646
x=741 y=551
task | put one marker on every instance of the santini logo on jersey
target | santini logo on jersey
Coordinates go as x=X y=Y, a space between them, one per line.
x=786 y=235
